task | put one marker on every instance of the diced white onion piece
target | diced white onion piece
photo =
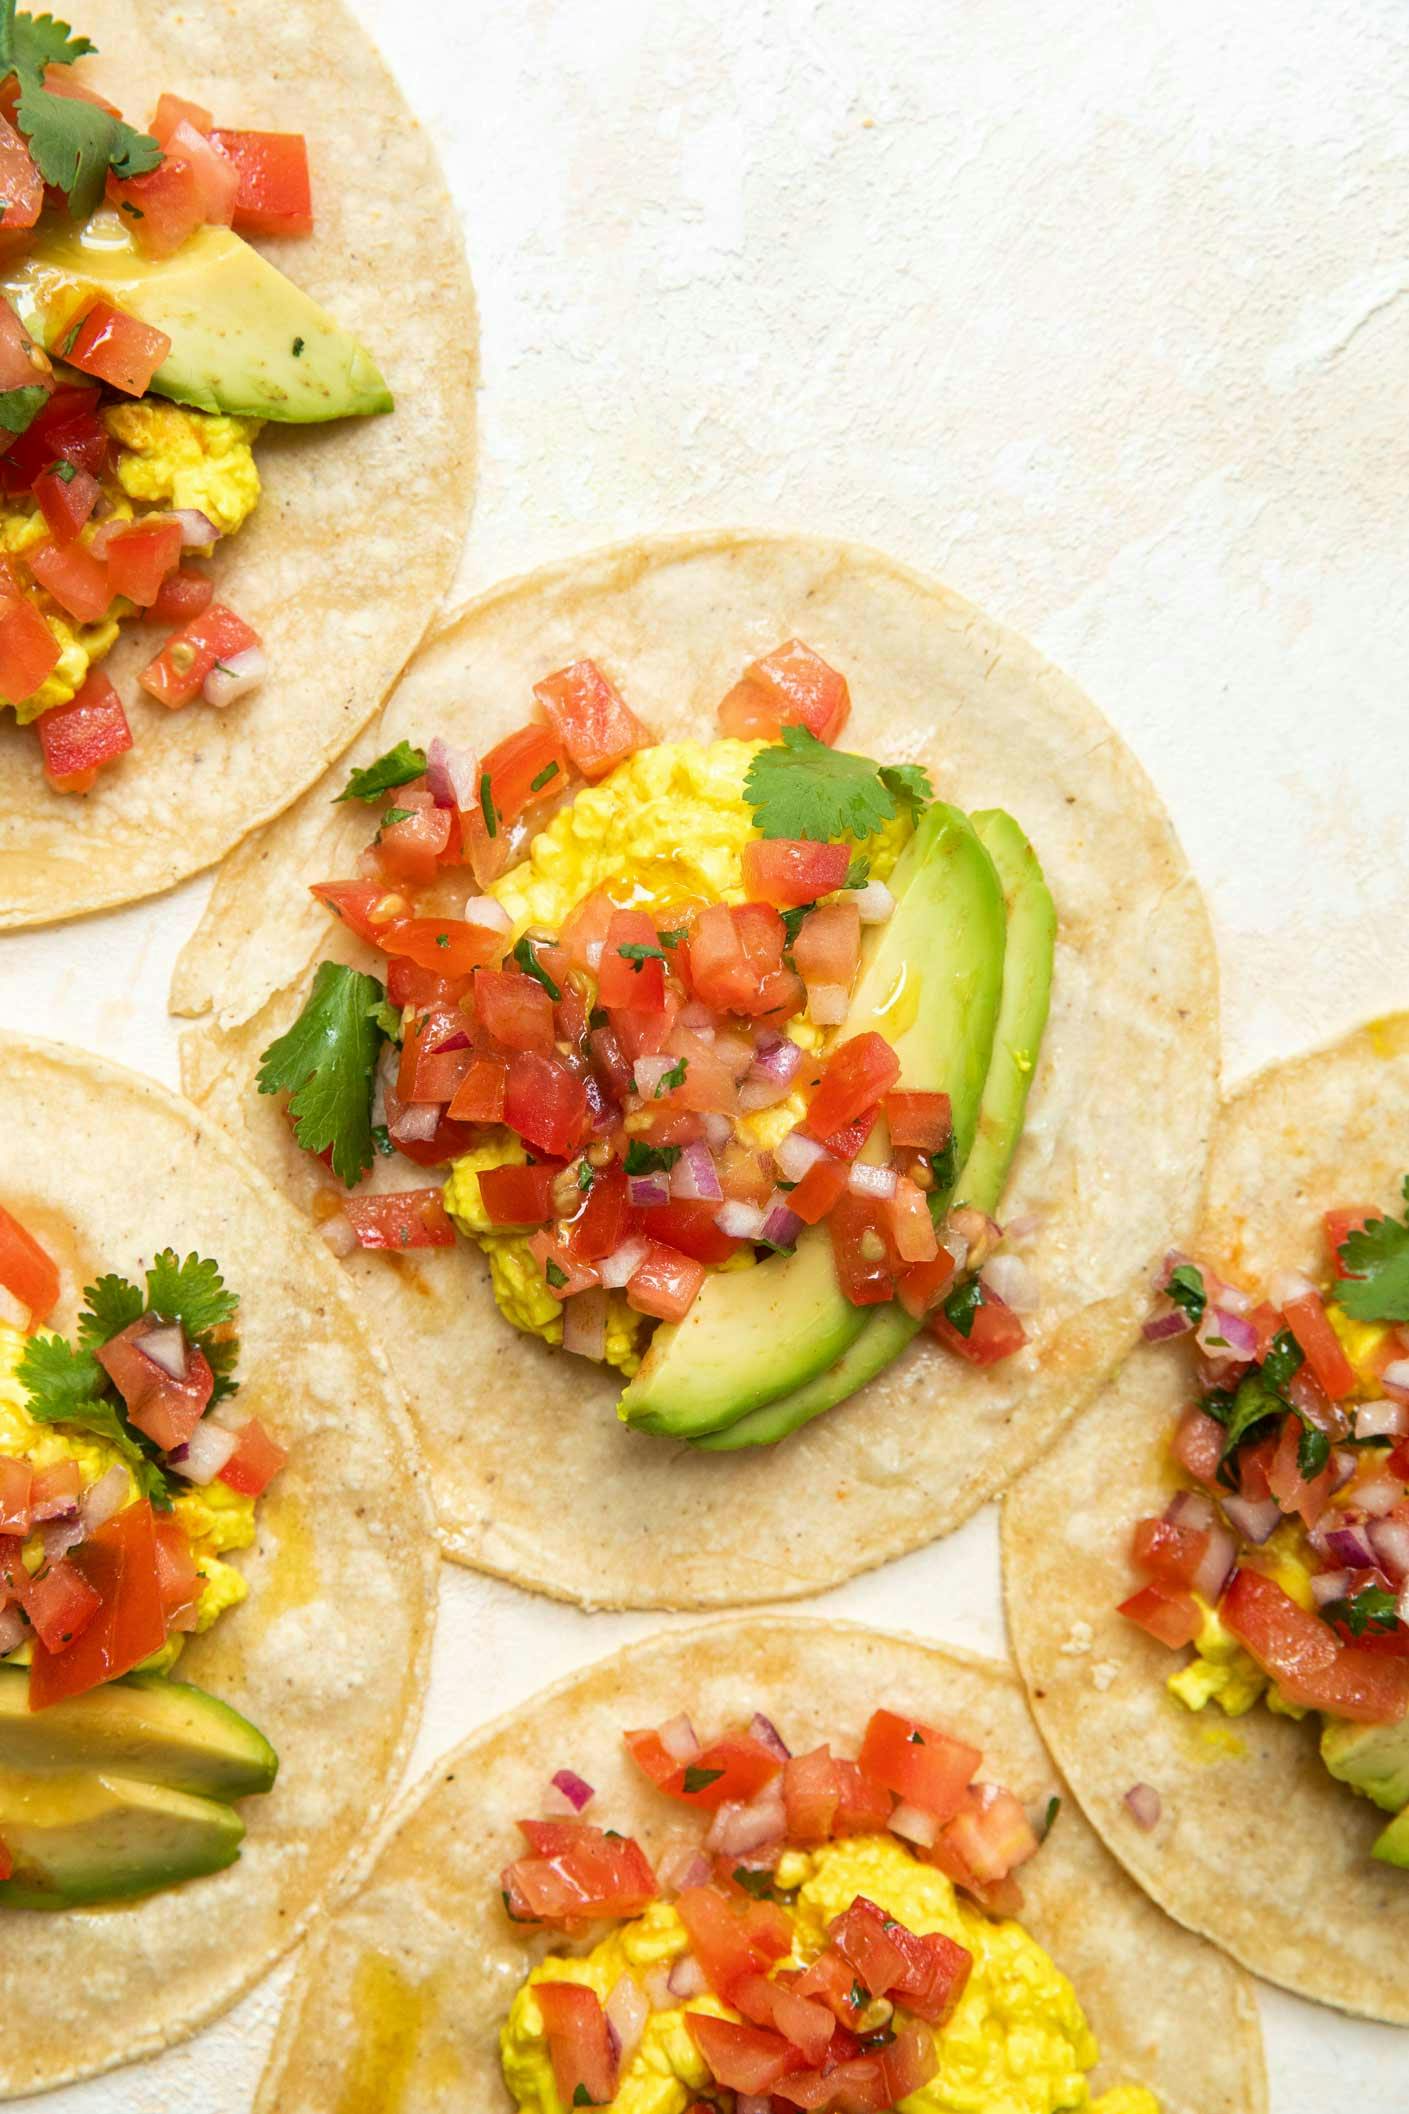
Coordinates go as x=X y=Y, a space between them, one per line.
x=339 y=1234
x=718 y=1129
x=585 y=1324
x=1389 y=1538
x=695 y=1014
x=1012 y=1280
x=827 y=1004
x=796 y=1153
x=1020 y=1230
x=875 y=903
x=867 y=1180
x=648 y=1073
x=418 y=1122
x=166 y=1347
x=687 y=1977
x=1396 y=1376
x=229 y=1415
x=1285 y=1286
x=1377 y=1498
x=1216 y=1569
x=767 y=1734
x=914 y=1825
x=1145 y=1806
x=14 y=1630
x=207 y=1450
x=61 y=1535
x=957 y=1245
x=682 y=1863
x=1381 y=1420
x=658 y=1987
x=742 y=1222
x=489 y=915
x=198 y=531
x=102 y=1499
x=679 y=1739
x=235 y=678
x=738 y=1829
x=627 y=2009
x=1329 y=1585
x=1190 y=1508
x=618 y=1268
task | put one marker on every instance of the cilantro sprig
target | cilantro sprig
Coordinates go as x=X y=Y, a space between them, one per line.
x=73 y=144
x=1377 y=1258
x=398 y=767
x=326 y=1063
x=801 y=788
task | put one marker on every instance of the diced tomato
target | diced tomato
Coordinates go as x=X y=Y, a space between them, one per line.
x=435 y=1056
x=633 y=981
x=811 y=1795
x=1320 y=1345
x=1266 y=1323
x=1339 y=1225
x=166 y=1409
x=731 y=1937
x=216 y=177
x=66 y=496
x=1286 y=1483
x=118 y=1562
x=178 y=1580
x=29 y=651
x=593 y=722
x=55 y=1489
x=792 y=686
x=586 y=928
x=577 y=1874
x=666 y=1284
x=60 y=1604
x=255 y=1462
x=514 y=1008
x=564 y=1274
x=859 y=1071
x=412 y=848
x=862 y=1938
x=517 y=1196
x=447 y=946
x=911 y=1229
x=21 y=198
x=446 y=1142
x=792 y=871
x=579 y=2043
x=745 y=2059
x=733 y=1770
x=408 y=984
x=805 y=2025
x=527 y=766
x=178 y=674
x=921 y=1286
x=1254 y=1470
x=80 y=737
x=409 y=1218
x=173 y=110
x=116 y=348
x=935 y=1977
x=1169 y=1553
x=827 y=950
x=860 y=1250
x=27 y=1270
x=76 y=579
x=274 y=195
x=162 y=209
x=546 y=1104
x=140 y=557
x=690 y=1227
x=1306 y=1659
x=995 y=1331
x=16 y=1496
x=646 y=1032
x=735 y=955
x=819 y=1189
x=991 y=1833
x=920 y=1764
x=479 y=1098
x=367 y=908
x=1198 y=1446
x=66 y=430
x=181 y=596
x=923 y=1122
x=1172 y=1618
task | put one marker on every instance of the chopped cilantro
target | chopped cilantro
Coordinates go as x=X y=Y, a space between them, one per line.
x=792 y=924
x=944 y=1164
x=110 y=1306
x=1054 y=1807
x=1373 y=1610
x=394 y=815
x=325 y=1062
x=1283 y=1361
x=442 y=939
x=298 y=348
x=585 y=1175
x=1312 y=1452
x=549 y=770
x=528 y=961
x=962 y=1305
x=64 y=471
x=1186 y=1290
x=1377 y=1258
x=673 y=939
x=638 y=954
x=860 y=1996
x=387 y=1017
x=486 y=806
x=668 y=1081
x=701 y=1779
x=757 y=1883
x=67 y=1386
x=73 y=144
x=398 y=767
x=133 y=212
x=1254 y=1402
x=581 y=2097
x=381 y=1138
x=801 y=788
x=20 y=407
x=555 y=1274
x=916 y=1739
x=858 y=873
x=650 y=1159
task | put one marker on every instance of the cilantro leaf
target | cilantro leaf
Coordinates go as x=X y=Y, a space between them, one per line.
x=858 y=873
x=650 y=1159
x=387 y=1019
x=398 y=767
x=962 y=1305
x=325 y=1062
x=32 y=42
x=1186 y=1290
x=222 y=1355
x=20 y=407
x=1054 y=1807
x=586 y=1175
x=908 y=784
x=1313 y=1450
x=65 y=1386
x=1373 y=1609
x=549 y=770
x=638 y=954
x=74 y=144
x=1255 y=1401
x=1284 y=1360
x=1377 y=1257
x=192 y=1292
x=528 y=961
x=109 y=1306
x=701 y=1779
x=393 y=815
x=792 y=924
x=668 y=1081
x=487 y=807
x=801 y=788
x=759 y=1883
x=944 y=1164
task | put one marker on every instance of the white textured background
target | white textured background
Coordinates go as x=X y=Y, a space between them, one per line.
x=1099 y=309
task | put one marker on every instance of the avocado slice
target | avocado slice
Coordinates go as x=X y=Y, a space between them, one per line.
x=165 y=1732
x=1372 y=1759
x=80 y=1839
x=931 y=984
x=1022 y=1017
x=244 y=339
x=1391 y=1845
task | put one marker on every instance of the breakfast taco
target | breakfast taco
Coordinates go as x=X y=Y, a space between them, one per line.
x=1208 y=1586
x=719 y=940
x=217 y=1572
x=750 y=1869
x=166 y=355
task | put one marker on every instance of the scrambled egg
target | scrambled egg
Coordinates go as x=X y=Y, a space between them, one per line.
x=1018 y=2042
x=166 y=456
x=664 y=829
x=1363 y=1343
x=214 y=1517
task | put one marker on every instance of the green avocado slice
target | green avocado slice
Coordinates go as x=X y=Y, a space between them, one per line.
x=81 y=1839
x=1372 y=1759
x=931 y=983
x=1391 y=1845
x=1027 y=988
x=166 y=1732
x=244 y=339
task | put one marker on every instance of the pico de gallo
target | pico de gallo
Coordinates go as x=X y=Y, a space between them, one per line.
x=125 y=453
x=1283 y=1558
x=606 y=981
x=811 y=1931
x=128 y=1471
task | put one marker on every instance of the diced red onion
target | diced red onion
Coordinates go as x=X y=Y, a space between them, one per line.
x=683 y=1864
x=678 y=1738
x=649 y=1072
x=166 y=1347
x=875 y=903
x=827 y=1004
x=1010 y=1279
x=1396 y=1376
x=770 y=1077
x=643 y=1191
x=1329 y=1585
x=1381 y=1420
x=585 y=1324
x=627 y=2010
x=1145 y=1807
x=235 y=678
x=417 y=1123
x=61 y=1535
x=718 y=1129
x=866 y=1179
x=1376 y=1498
x=575 y=1789
x=737 y=1829
x=1190 y=1508
x=205 y=1452
x=695 y=1176
x=198 y=531
x=102 y=1499
x=340 y=1235
x=767 y=1734
x=13 y=1631
x=796 y=1153
x=1254 y=1518
x=1286 y=1286
x=1226 y=1337
x=1343 y=1467
x=781 y=1226
x=452 y=775
x=742 y=1222
x=913 y=1824
x=1350 y=1545
x=1219 y=1563
x=488 y=915
x=1160 y=1328
x=1389 y=1538
x=56 y=1508
x=618 y=1268
x=687 y=1977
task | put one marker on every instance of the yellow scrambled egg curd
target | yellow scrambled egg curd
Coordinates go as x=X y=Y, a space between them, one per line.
x=169 y=456
x=1363 y=1343
x=214 y=1518
x=520 y=1292
x=81 y=646
x=1018 y=2042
